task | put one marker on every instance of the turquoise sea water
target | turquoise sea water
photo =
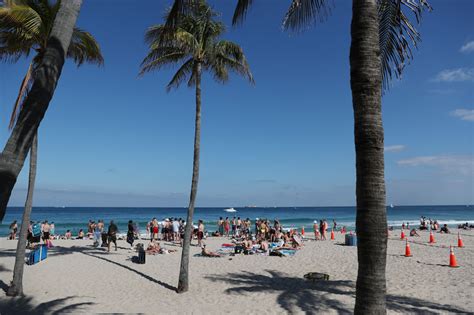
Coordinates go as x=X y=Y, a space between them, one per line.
x=290 y=217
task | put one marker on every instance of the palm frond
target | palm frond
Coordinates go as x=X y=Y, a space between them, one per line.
x=180 y=76
x=159 y=58
x=240 y=11
x=84 y=48
x=302 y=13
x=397 y=35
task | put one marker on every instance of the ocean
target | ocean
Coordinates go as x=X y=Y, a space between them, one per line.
x=290 y=217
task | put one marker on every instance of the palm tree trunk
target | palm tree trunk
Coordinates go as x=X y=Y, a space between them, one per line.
x=183 y=283
x=371 y=221
x=16 y=287
x=21 y=93
x=45 y=79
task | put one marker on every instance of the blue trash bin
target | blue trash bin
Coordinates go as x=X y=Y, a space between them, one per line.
x=351 y=240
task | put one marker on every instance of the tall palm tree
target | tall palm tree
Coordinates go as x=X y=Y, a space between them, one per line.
x=27 y=25
x=194 y=43
x=382 y=37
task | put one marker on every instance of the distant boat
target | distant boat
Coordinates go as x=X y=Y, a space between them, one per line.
x=251 y=206
x=230 y=210
x=391 y=205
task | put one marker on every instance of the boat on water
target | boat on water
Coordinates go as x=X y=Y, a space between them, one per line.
x=230 y=210
x=391 y=205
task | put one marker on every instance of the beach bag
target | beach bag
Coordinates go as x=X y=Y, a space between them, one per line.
x=36 y=230
x=38 y=254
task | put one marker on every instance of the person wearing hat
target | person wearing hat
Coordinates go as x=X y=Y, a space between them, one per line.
x=316 y=230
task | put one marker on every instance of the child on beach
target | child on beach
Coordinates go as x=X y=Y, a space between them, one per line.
x=317 y=235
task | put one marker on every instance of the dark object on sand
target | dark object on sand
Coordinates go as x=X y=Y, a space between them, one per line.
x=316 y=276
x=104 y=239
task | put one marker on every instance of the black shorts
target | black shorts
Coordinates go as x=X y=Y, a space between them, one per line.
x=45 y=236
x=200 y=235
x=112 y=238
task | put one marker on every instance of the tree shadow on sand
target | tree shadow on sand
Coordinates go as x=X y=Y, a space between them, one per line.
x=25 y=305
x=300 y=295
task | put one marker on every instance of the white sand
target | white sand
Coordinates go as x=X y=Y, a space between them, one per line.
x=78 y=278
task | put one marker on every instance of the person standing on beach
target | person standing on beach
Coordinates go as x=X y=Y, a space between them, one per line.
x=316 y=230
x=239 y=226
x=100 y=226
x=46 y=229
x=321 y=230
x=334 y=225
x=176 y=230
x=154 y=226
x=130 y=234
x=234 y=226
x=52 y=228
x=200 y=233
x=13 y=230
x=220 y=226
x=112 y=235
x=227 y=226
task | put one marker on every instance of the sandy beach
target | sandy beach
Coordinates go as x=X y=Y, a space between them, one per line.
x=79 y=278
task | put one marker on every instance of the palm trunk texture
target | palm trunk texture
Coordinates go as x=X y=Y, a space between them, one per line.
x=183 y=283
x=371 y=220
x=16 y=287
x=45 y=79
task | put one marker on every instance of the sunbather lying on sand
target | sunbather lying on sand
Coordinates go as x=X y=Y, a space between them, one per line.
x=207 y=253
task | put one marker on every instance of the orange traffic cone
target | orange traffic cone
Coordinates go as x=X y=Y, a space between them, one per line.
x=407 y=249
x=302 y=230
x=332 y=235
x=402 y=235
x=452 y=259
x=432 y=240
x=460 y=243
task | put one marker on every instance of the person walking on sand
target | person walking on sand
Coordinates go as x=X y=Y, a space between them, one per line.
x=112 y=235
x=334 y=225
x=13 y=230
x=130 y=234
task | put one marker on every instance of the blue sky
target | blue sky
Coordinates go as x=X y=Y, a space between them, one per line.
x=111 y=138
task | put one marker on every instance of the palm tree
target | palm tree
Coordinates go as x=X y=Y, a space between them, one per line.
x=194 y=43
x=27 y=25
x=382 y=36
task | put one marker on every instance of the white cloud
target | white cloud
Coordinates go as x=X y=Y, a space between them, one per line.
x=464 y=114
x=463 y=165
x=467 y=48
x=455 y=75
x=394 y=148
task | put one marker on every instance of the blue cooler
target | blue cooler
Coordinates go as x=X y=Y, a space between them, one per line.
x=351 y=240
x=38 y=254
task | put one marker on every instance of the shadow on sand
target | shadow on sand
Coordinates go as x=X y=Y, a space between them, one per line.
x=25 y=305
x=300 y=295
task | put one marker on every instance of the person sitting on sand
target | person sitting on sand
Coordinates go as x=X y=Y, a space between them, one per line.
x=80 y=235
x=68 y=235
x=153 y=248
x=444 y=229
x=414 y=233
x=264 y=246
x=112 y=235
x=207 y=253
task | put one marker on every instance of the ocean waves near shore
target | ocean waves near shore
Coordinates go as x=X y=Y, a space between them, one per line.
x=291 y=217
